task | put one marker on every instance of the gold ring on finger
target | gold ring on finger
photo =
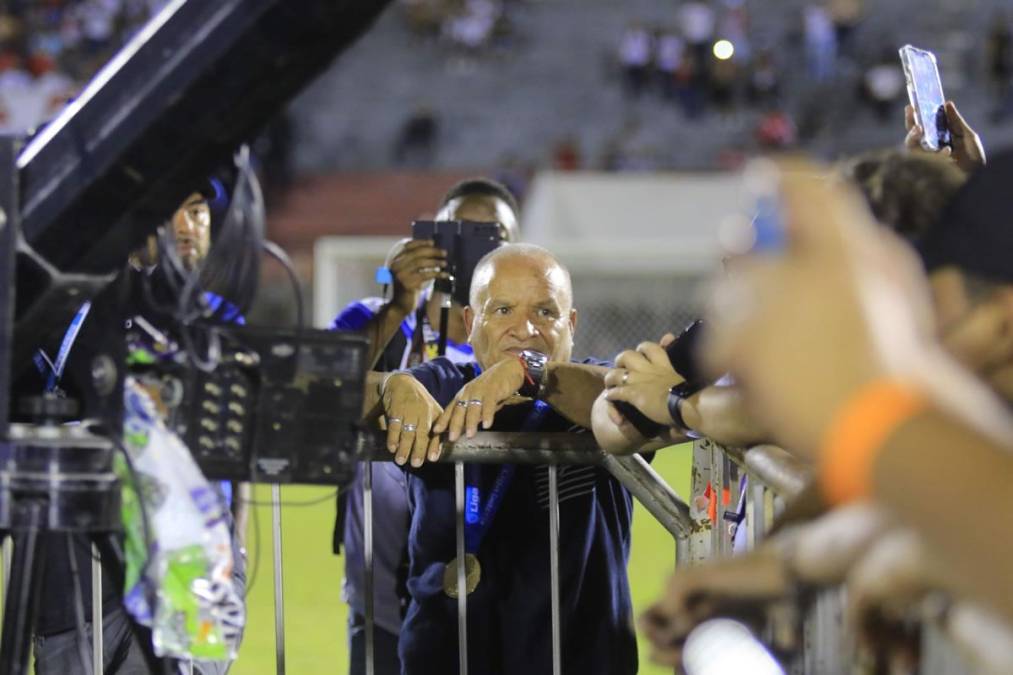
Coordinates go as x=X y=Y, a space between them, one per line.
x=475 y=401
x=409 y=428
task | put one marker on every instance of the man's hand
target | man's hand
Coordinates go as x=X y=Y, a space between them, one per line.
x=967 y=150
x=890 y=579
x=642 y=378
x=415 y=265
x=883 y=589
x=410 y=411
x=738 y=586
x=843 y=305
x=478 y=401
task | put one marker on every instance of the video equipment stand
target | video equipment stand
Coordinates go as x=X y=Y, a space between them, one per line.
x=86 y=191
x=56 y=480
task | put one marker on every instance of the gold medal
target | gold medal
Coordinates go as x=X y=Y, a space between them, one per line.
x=472 y=575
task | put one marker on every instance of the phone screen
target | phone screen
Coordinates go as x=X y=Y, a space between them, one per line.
x=925 y=91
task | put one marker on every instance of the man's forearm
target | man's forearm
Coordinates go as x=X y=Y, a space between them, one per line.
x=613 y=438
x=571 y=388
x=381 y=328
x=934 y=473
x=719 y=413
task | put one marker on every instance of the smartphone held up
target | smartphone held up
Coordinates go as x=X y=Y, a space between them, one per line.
x=925 y=91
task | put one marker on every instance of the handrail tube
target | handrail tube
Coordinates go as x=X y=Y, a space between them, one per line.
x=633 y=471
x=777 y=468
x=493 y=447
x=651 y=490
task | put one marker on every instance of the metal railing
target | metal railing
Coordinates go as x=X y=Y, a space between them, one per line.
x=826 y=645
x=551 y=449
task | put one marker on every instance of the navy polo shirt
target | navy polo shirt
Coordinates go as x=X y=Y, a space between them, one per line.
x=509 y=625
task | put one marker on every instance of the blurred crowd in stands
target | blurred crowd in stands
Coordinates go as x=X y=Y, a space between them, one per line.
x=50 y=48
x=468 y=25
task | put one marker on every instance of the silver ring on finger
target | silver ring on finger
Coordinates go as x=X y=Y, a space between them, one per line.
x=409 y=428
x=625 y=378
x=393 y=420
x=475 y=401
x=462 y=403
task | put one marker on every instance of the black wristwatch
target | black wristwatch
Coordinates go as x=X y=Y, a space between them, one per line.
x=676 y=395
x=534 y=372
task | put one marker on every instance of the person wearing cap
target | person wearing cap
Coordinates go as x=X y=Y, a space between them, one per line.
x=55 y=634
x=403 y=332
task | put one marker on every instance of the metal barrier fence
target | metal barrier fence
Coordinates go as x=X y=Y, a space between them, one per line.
x=552 y=450
x=826 y=646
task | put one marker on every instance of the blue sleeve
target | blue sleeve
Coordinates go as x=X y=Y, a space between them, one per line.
x=226 y=311
x=355 y=316
x=441 y=377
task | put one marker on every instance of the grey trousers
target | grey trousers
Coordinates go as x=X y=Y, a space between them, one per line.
x=58 y=654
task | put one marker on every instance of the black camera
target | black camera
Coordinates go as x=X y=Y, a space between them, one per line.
x=465 y=242
x=683 y=353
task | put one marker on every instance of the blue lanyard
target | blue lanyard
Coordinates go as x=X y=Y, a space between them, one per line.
x=56 y=368
x=478 y=516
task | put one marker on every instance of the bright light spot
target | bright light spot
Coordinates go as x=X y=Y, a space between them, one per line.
x=723 y=50
x=726 y=647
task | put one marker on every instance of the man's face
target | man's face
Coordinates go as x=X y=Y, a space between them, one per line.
x=191 y=230
x=976 y=326
x=483 y=209
x=523 y=304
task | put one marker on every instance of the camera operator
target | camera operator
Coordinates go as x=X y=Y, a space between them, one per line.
x=403 y=333
x=125 y=643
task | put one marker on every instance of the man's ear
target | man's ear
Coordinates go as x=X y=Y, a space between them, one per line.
x=573 y=321
x=469 y=320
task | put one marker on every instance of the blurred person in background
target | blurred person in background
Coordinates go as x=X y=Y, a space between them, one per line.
x=820 y=42
x=403 y=332
x=635 y=58
x=763 y=86
x=883 y=84
x=846 y=15
x=697 y=21
x=668 y=56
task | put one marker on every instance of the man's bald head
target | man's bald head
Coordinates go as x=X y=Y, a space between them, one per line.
x=521 y=298
x=523 y=255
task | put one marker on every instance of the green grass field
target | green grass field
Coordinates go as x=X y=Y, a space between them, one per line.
x=315 y=615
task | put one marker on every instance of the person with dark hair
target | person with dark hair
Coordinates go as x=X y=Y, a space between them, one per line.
x=473 y=190
x=55 y=634
x=403 y=333
x=905 y=191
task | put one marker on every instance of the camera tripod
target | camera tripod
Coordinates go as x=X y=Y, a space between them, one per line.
x=57 y=483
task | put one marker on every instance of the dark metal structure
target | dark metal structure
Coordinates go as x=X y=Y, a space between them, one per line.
x=178 y=99
x=193 y=84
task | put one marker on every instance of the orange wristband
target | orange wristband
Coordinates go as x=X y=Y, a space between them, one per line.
x=856 y=434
